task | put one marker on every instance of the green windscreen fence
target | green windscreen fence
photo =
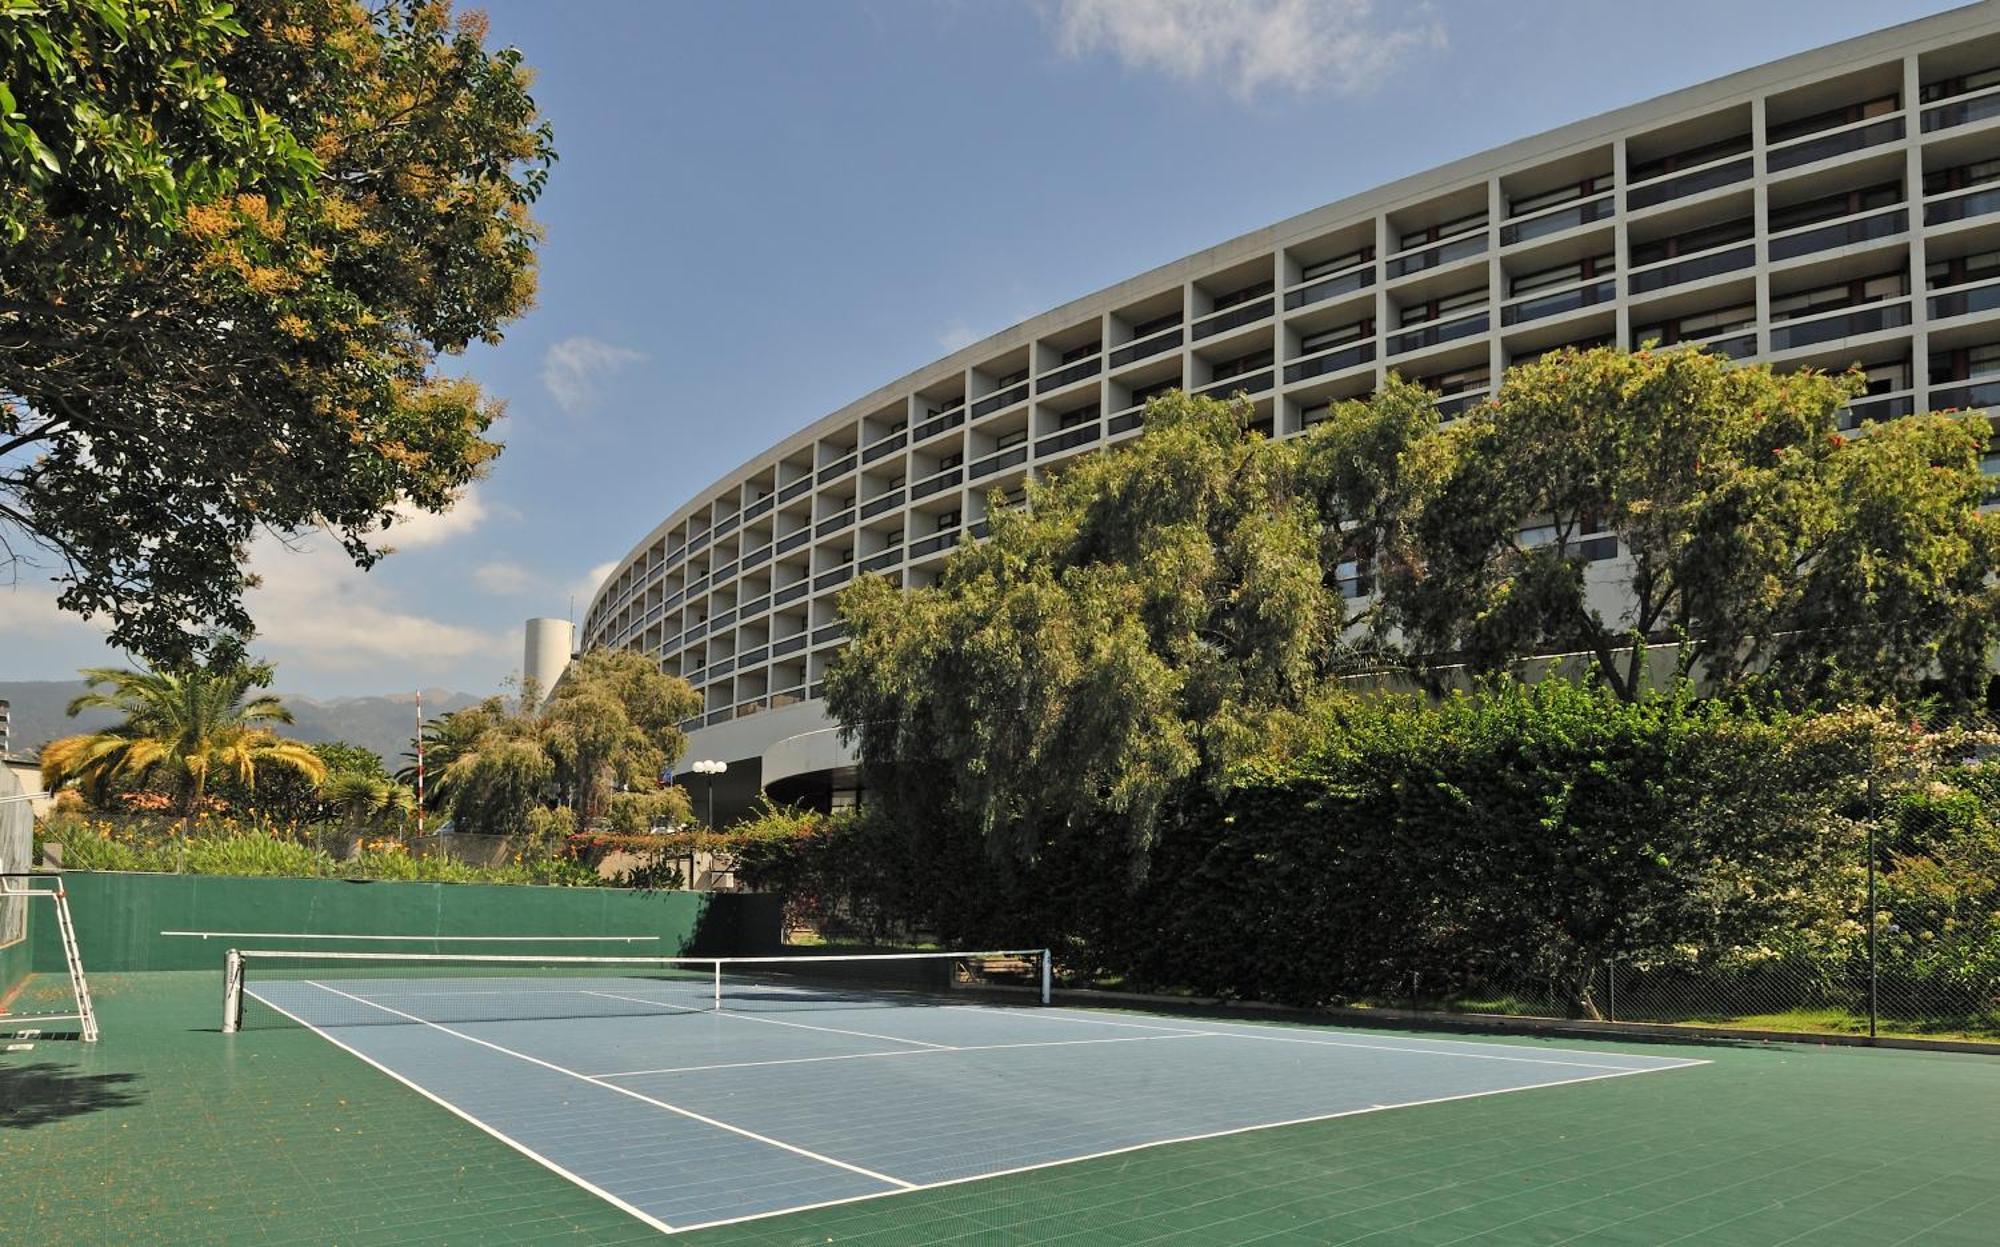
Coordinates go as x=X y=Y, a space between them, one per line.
x=17 y=824
x=187 y=922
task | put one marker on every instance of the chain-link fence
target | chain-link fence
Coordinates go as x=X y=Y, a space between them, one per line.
x=1924 y=862
x=17 y=827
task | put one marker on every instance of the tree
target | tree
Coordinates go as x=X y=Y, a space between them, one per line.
x=611 y=728
x=290 y=796
x=232 y=246
x=181 y=729
x=1143 y=619
x=1749 y=529
x=356 y=799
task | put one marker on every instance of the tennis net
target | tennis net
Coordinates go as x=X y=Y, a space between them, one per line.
x=279 y=987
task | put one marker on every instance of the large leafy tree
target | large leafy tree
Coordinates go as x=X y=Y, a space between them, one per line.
x=181 y=731
x=1144 y=618
x=1748 y=528
x=232 y=248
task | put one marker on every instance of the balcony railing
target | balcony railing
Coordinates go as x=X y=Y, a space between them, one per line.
x=1439 y=255
x=943 y=480
x=788 y=645
x=1005 y=398
x=1254 y=383
x=1977 y=394
x=887 y=558
x=1878 y=410
x=1068 y=439
x=1831 y=328
x=1823 y=147
x=1556 y=222
x=1329 y=287
x=792 y=541
x=761 y=554
x=756 y=508
x=1962 y=112
x=1332 y=361
x=834 y=523
x=838 y=576
x=1234 y=318
x=1432 y=335
x=893 y=442
x=727 y=524
x=1010 y=458
x=1558 y=303
x=1072 y=373
x=1975 y=203
x=1458 y=404
x=794 y=489
x=1961 y=302
x=1677 y=272
x=790 y=593
x=1839 y=234
x=1146 y=348
x=875 y=506
x=937 y=424
x=755 y=606
x=1694 y=182
x=838 y=468
x=1125 y=420
x=831 y=632
x=931 y=545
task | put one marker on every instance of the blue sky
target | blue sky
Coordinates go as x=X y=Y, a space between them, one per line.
x=764 y=210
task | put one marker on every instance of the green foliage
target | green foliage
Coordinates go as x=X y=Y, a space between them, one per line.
x=1775 y=549
x=598 y=747
x=232 y=246
x=181 y=728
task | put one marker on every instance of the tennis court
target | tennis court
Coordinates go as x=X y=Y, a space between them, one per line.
x=690 y=1105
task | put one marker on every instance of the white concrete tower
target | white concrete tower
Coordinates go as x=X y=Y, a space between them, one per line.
x=548 y=652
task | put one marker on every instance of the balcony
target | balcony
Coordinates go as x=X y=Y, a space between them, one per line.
x=1977 y=395
x=1435 y=334
x=1876 y=410
x=1010 y=458
x=1962 y=205
x=792 y=541
x=1146 y=348
x=1694 y=182
x=938 y=424
x=755 y=606
x=727 y=524
x=834 y=523
x=757 y=508
x=1562 y=301
x=1332 y=361
x=788 y=645
x=1069 y=374
x=1235 y=318
x=838 y=576
x=1069 y=439
x=838 y=468
x=752 y=558
x=1436 y=257
x=1556 y=222
x=1329 y=287
x=1458 y=404
x=1842 y=234
x=931 y=545
x=1961 y=113
x=894 y=442
x=1694 y=268
x=1965 y=302
x=790 y=593
x=887 y=558
x=875 y=506
x=1003 y=399
x=1124 y=420
x=831 y=632
x=1839 y=143
x=943 y=480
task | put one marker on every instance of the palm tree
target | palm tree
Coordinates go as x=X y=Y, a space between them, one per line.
x=360 y=800
x=179 y=728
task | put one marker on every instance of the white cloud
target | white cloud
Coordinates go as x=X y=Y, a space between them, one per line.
x=502 y=578
x=414 y=528
x=575 y=369
x=28 y=609
x=590 y=582
x=1350 y=46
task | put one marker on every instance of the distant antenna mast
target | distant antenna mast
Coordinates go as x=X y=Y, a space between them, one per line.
x=420 y=764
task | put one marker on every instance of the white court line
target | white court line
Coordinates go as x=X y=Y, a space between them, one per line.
x=1256 y=1033
x=625 y=1091
x=856 y=1056
x=436 y=939
x=751 y=1017
x=462 y=1115
x=1192 y=1138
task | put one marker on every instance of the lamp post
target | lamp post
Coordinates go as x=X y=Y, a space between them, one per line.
x=710 y=769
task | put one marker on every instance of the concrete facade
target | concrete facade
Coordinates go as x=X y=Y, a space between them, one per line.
x=1834 y=208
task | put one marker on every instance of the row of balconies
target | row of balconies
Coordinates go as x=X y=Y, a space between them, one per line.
x=1674 y=164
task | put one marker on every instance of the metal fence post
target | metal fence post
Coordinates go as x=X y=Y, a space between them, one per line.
x=1874 y=981
x=1611 y=988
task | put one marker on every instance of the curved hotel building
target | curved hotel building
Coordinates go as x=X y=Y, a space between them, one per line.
x=1833 y=208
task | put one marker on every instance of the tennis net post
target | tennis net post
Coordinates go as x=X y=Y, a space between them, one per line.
x=232 y=992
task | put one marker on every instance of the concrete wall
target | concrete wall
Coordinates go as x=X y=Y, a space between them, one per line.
x=120 y=918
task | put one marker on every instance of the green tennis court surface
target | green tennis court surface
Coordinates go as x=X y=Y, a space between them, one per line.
x=168 y=1132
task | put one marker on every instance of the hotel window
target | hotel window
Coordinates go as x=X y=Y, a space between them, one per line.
x=1706 y=238
x=1422 y=313
x=1963 y=84
x=1957 y=178
x=1844 y=294
x=1082 y=415
x=1976 y=363
x=947 y=520
x=1355 y=332
x=1085 y=351
x=1564 y=274
x=1828 y=207
x=1256 y=290
x=1438 y=233
x=950 y=461
x=1007 y=441
x=1834 y=118
x=1962 y=270
x=1560 y=195
x=1336 y=264
x=1147 y=328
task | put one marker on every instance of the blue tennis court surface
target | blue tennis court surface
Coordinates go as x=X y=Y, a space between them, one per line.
x=791 y=1097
